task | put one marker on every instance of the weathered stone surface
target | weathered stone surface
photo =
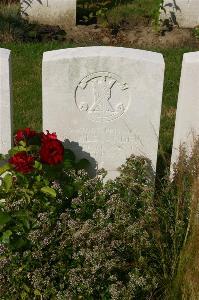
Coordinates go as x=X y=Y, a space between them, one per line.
x=184 y=13
x=5 y=102
x=50 y=12
x=187 y=115
x=106 y=101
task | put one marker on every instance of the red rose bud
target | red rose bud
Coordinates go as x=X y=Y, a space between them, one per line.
x=52 y=151
x=22 y=162
x=29 y=133
x=19 y=136
x=24 y=134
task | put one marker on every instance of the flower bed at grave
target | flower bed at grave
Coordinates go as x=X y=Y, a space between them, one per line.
x=39 y=159
x=64 y=235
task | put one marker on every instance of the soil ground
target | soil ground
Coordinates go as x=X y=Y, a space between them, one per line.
x=140 y=36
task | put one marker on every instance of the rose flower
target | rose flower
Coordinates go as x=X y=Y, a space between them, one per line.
x=22 y=162
x=52 y=151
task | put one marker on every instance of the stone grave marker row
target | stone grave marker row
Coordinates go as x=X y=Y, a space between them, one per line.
x=184 y=13
x=105 y=103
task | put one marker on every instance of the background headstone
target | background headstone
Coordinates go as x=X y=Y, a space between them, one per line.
x=187 y=115
x=106 y=101
x=50 y=12
x=5 y=102
x=184 y=13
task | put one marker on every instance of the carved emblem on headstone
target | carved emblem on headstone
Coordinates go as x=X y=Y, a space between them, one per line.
x=103 y=96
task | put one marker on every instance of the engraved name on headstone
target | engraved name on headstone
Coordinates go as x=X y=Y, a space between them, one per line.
x=5 y=102
x=106 y=101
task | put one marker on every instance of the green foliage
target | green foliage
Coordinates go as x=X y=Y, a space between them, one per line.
x=135 y=12
x=26 y=176
x=116 y=12
x=90 y=10
x=176 y=207
x=186 y=282
x=102 y=3
x=111 y=240
x=196 y=32
x=94 y=244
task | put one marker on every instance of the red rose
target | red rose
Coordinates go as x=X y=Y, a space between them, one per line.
x=48 y=136
x=52 y=152
x=21 y=135
x=22 y=162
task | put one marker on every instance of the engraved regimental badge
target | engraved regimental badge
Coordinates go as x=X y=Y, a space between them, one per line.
x=102 y=96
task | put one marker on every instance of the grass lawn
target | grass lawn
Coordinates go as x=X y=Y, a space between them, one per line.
x=27 y=88
x=135 y=12
x=132 y=11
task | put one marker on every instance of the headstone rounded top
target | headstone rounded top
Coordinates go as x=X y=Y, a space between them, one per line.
x=104 y=51
x=4 y=52
x=191 y=57
x=104 y=102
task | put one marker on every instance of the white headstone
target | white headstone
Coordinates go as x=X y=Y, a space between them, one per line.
x=185 y=13
x=106 y=101
x=187 y=115
x=50 y=12
x=5 y=102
